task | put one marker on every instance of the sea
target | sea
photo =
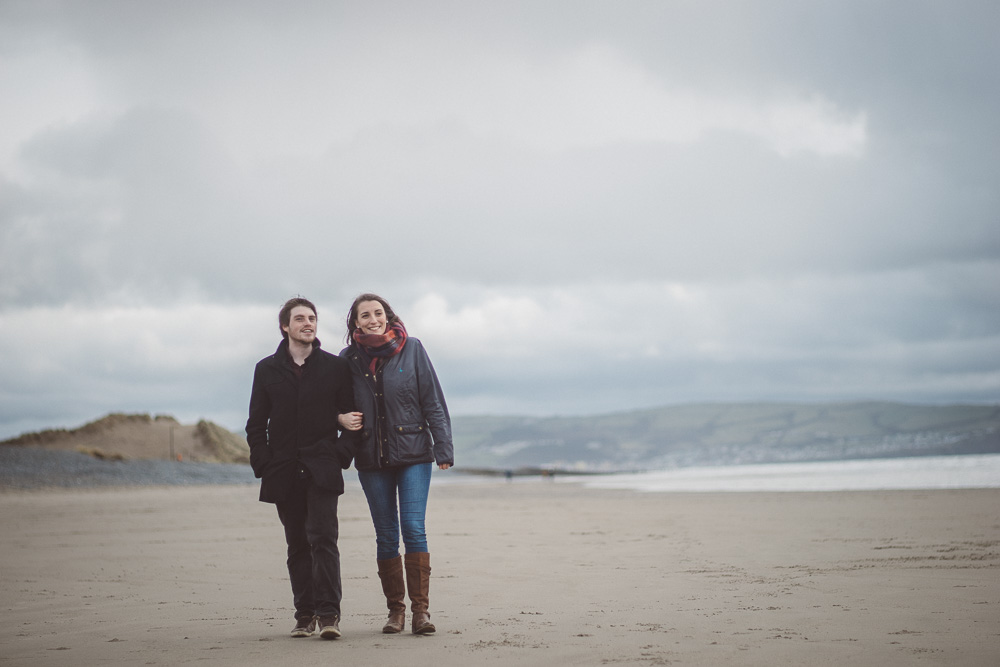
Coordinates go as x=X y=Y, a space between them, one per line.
x=925 y=472
x=30 y=468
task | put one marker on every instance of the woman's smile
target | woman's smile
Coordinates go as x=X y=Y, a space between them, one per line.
x=371 y=317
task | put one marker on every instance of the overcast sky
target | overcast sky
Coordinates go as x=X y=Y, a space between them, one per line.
x=579 y=207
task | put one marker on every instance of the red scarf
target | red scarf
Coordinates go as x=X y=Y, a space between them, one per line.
x=381 y=346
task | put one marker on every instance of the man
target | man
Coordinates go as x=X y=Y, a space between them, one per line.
x=295 y=450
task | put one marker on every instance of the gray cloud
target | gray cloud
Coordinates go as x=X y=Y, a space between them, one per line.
x=581 y=206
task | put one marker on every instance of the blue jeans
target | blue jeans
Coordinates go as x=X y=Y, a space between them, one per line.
x=411 y=484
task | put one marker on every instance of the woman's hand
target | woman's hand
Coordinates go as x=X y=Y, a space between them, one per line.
x=351 y=421
x=444 y=466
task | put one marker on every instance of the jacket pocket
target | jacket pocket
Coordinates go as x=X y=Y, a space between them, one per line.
x=413 y=442
x=260 y=458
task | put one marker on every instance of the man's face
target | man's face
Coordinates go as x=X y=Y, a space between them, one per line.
x=301 y=326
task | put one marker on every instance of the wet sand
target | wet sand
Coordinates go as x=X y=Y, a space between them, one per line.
x=528 y=573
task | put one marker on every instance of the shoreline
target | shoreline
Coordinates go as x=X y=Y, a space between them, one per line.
x=24 y=468
x=539 y=574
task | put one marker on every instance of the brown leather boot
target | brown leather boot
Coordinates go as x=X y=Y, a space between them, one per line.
x=391 y=573
x=418 y=576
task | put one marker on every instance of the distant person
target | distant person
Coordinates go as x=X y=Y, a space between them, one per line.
x=405 y=428
x=295 y=450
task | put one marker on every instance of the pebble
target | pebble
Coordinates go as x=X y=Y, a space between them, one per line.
x=37 y=468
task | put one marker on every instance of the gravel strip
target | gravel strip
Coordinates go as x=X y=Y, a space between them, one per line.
x=36 y=468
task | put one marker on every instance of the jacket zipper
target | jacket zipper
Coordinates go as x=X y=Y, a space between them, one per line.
x=376 y=427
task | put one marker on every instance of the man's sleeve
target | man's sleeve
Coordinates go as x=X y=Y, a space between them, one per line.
x=260 y=411
x=347 y=443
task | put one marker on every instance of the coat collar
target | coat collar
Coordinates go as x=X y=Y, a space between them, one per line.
x=282 y=355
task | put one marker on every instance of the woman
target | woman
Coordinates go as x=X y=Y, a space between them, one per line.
x=405 y=428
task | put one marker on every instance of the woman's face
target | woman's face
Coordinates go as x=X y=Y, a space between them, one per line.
x=371 y=317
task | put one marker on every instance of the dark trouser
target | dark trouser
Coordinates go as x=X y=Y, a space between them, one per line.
x=311 y=530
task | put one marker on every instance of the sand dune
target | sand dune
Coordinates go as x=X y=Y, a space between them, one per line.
x=140 y=436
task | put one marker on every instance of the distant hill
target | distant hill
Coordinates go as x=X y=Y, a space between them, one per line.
x=140 y=436
x=726 y=434
x=668 y=437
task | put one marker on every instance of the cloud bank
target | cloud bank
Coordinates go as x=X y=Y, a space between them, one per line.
x=579 y=206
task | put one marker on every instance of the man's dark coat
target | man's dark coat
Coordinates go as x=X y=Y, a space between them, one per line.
x=293 y=422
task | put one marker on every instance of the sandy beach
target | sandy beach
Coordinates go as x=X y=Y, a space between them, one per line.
x=529 y=573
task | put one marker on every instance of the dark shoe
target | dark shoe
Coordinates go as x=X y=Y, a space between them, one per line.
x=304 y=627
x=418 y=581
x=390 y=571
x=329 y=627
